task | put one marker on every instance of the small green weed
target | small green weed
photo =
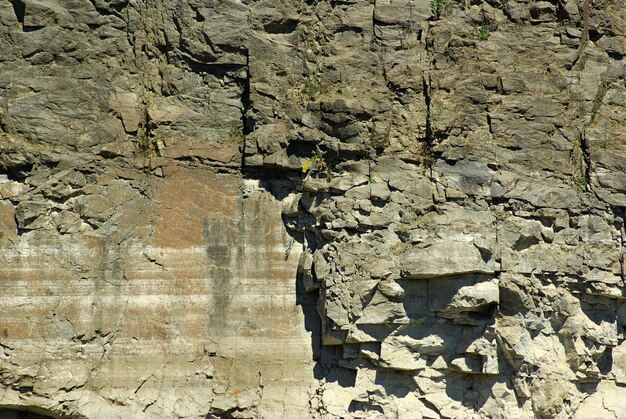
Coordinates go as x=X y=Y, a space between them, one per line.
x=146 y=142
x=311 y=89
x=236 y=131
x=483 y=32
x=436 y=7
x=317 y=164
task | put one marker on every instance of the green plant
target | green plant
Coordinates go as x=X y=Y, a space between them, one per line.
x=317 y=164
x=236 y=131
x=313 y=163
x=145 y=141
x=310 y=89
x=436 y=7
x=483 y=32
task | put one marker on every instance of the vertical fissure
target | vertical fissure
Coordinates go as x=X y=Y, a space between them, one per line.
x=19 y=8
x=584 y=142
x=622 y=260
x=246 y=120
x=427 y=100
x=586 y=160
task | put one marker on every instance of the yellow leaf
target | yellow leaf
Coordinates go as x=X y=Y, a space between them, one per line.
x=306 y=166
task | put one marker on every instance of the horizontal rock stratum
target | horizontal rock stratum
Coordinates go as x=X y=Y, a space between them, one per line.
x=328 y=209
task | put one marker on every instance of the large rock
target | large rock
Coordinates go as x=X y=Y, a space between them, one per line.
x=312 y=209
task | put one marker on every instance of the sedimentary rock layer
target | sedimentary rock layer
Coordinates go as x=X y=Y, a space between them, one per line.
x=394 y=208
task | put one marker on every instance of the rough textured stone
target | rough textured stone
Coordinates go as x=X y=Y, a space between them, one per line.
x=312 y=209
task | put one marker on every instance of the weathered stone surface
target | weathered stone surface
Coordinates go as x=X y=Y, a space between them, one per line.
x=152 y=298
x=312 y=209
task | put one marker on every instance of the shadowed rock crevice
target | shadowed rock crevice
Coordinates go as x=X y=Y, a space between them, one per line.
x=22 y=413
x=19 y=9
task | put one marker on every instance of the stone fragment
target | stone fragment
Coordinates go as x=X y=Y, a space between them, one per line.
x=444 y=258
x=126 y=105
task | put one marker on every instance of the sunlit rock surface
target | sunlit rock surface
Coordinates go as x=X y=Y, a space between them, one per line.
x=403 y=208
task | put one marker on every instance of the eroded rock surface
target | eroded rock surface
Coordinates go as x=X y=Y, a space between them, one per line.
x=313 y=209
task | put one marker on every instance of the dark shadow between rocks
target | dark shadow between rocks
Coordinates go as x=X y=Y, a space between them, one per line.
x=19 y=8
x=279 y=188
x=326 y=358
x=327 y=368
x=364 y=408
x=30 y=412
x=471 y=390
x=312 y=322
x=599 y=309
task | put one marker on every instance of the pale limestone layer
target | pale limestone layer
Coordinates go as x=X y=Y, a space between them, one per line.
x=196 y=312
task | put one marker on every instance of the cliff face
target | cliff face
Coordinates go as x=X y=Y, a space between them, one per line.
x=399 y=208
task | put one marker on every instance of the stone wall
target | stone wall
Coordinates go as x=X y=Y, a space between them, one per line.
x=313 y=209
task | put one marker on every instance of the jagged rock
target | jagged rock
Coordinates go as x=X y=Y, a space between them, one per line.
x=476 y=297
x=312 y=209
x=444 y=258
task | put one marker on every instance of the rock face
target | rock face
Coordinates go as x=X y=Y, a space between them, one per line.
x=389 y=208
